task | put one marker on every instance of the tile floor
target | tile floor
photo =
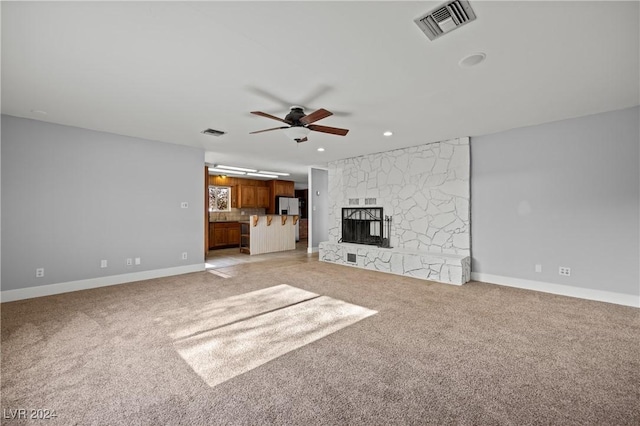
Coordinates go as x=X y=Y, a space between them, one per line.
x=224 y=258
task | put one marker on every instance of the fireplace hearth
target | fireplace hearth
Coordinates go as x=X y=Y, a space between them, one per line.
x=362 y=225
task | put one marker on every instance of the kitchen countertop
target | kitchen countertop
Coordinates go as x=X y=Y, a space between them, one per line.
x=247 y=220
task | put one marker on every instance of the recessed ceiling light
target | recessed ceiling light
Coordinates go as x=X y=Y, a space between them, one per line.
x=472 y=60
x=388 y=133
x=320 y=149
x=38 y=111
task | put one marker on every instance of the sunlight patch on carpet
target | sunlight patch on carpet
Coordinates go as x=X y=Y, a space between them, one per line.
x=225 y=352
x=219 y=274
x=188 y=321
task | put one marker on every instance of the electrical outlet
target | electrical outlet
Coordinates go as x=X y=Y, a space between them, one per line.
x=564 y=271
x=39 y=272
x=538 y=267
x=129 y=261
x=137 y=260
x=103 y=263
x=184 y=255
x=184 y=205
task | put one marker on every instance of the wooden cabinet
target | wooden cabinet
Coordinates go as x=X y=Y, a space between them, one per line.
x=224 y=234
x=233 y=235
x=219 y=235
x=284 y=188
x=251 y=196
x=279 y=188
x=262 y=197
x=246 y=196
x=211 y=235
x=234 y=197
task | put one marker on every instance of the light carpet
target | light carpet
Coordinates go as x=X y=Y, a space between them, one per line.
x=433 y=354
x=278 y=320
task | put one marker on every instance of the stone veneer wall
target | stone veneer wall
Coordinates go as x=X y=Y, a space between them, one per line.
x=424 y=188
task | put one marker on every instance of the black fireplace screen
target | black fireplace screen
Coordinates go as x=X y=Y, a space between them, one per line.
x=362 y=225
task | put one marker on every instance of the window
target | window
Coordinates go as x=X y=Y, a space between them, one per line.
x=219 y=198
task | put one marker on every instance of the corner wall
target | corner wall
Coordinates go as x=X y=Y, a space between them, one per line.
x=318 y=208
x=73 y=197
x=560 y=194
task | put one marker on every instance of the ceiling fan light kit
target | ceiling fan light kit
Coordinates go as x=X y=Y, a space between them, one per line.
x=297 y=133
x=300 y=124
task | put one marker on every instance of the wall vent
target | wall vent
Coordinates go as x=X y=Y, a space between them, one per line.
x=370 y=201
x=354 y=201
x=445 y=18
x=213 y=132
x=351 y=257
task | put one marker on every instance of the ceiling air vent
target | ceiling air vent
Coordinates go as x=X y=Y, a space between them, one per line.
x=213 y=132
x=446 y=18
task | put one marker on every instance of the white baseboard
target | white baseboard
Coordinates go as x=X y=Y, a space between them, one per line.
x=50 y=289
x=311 y=250
x=563 y=290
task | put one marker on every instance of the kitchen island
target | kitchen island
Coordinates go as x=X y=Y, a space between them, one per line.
x=268 y=233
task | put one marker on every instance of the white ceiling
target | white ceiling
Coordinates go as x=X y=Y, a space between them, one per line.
x=167 y=70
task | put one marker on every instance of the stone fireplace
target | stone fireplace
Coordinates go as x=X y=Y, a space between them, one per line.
x=424 y=190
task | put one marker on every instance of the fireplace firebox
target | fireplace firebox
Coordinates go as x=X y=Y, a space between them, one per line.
x=362 y=225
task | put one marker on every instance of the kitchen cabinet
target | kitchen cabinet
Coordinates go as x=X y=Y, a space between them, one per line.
x=224 y=234
x=233 y=235
x=262 y=196
x=211 y=236
x=279 y=188
x=234 y=197
x=251 y=196
x=246 y=196
x=284 y=188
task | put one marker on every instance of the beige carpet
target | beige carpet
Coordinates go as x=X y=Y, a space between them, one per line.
x=433 y=354
x=277 y=320
x=222 y=312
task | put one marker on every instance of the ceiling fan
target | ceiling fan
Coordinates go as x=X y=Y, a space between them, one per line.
x=299 y=123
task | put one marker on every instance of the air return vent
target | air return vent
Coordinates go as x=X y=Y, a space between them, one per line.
x=370 y=201
x=446 y=18
x=213 y=132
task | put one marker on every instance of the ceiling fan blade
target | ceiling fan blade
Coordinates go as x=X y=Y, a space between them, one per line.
x=315 y=116
x=268 y=130
x=270 y=96
x=302 y=140
x=327 y=129
x=273 y=117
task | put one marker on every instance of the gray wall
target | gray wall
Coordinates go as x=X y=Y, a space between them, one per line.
x=560 y=194
x=319 y=205
x=72 y=197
